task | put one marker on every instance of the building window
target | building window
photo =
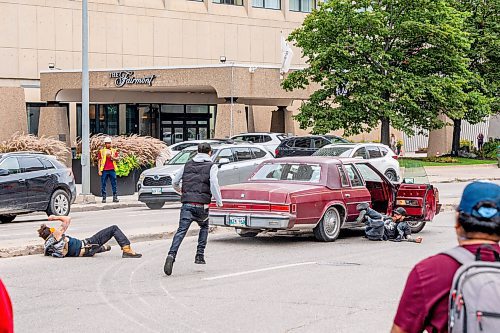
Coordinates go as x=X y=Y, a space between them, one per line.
x=305 y=6
x=268 y=4
x=229 y=2
x=103 y=119
x=33 y=113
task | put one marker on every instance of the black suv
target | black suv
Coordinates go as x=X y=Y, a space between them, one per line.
x=305 y=145
x=31 y=182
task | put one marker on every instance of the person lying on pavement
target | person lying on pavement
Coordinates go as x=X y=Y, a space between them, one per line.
x=58 y=244
x=382 y=227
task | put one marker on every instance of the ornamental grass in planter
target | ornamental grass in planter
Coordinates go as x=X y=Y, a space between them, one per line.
x=32 y=143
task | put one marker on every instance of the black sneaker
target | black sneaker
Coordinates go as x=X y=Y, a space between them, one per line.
x=104 y=248
x=91 y=250
x=169 y=264
x=103 y=200
x=115 y=199
x=199 y=259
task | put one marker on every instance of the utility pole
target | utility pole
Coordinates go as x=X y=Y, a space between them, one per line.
x=232 y=101
x=85 y=101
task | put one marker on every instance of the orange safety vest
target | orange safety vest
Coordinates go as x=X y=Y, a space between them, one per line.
x=103 y=152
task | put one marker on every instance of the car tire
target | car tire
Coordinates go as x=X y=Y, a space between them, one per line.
x=328 y=229
x=391 y=175
x=246 y=233
x=416 y=226
x=60 y=203
x=7 y=218
x=155 y=205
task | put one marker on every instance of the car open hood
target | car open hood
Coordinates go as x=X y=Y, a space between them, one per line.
x=269 y=192
x=162 y=170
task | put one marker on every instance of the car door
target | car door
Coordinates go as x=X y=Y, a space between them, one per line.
x=228 y=173
x=319 y=143
x=356 y=194
x=361 y=152
x=302 y=147
x=37 y=179
x=13 y=192
x=419 y=200
x=244 y=162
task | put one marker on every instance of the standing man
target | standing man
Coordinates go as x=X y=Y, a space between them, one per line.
x=424 y=303
x=107 y=168
x=480 y=141
x=199 y=183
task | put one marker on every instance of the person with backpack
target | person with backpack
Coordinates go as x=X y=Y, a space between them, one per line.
x=59 y=245
x=459 y=290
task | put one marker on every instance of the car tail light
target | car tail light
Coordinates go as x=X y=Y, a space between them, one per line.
x=406 y=202
x=395 y=157
x=276 y=151
x=280 y=208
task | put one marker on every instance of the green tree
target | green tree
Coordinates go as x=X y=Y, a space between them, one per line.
x=482 y=23
x=386 y=62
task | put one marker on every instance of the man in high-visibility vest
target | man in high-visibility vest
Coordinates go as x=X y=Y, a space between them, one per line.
x=107 y=168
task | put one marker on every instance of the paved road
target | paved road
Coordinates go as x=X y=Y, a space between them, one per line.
x=266 y=284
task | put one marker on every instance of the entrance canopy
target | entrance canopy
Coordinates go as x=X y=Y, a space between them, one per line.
x=212 y=84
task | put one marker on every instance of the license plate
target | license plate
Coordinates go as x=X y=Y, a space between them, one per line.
x=237 y=221
x=156 y=190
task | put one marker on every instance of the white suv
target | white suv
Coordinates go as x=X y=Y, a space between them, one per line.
x=270 y=141
x=379 y=155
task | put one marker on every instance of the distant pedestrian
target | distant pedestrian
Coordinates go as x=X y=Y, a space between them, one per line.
x=107 y=168
x=59 y=245
x=424 y=304
x=199 y=183
x=480 y=141
x=393 y=142
x=6 y=313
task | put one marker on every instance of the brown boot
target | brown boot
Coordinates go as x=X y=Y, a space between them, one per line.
x=129 y=253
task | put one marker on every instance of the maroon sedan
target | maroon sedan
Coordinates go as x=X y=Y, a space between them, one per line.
x=318 y=194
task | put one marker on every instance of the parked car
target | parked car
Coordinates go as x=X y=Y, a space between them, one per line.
x=318 y=194
x=32 y=182
x=305 y=145
x=236 y=164
x=270 y=141
x=379 y=155
x=178 y=147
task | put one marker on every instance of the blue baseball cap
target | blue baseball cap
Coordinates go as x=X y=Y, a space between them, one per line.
x=481 y=199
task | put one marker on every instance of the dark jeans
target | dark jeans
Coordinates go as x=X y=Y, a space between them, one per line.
x=103 y=236
x=111 y=174
x=190 y=213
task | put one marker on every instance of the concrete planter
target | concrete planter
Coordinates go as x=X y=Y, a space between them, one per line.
x=125 y=185
x=76 y=167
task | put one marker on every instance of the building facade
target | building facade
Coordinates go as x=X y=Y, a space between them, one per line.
x=130 y=35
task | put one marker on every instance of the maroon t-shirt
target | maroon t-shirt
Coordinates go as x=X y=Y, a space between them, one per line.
x=424 y=303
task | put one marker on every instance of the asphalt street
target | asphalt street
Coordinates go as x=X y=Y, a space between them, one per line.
x=265 y=284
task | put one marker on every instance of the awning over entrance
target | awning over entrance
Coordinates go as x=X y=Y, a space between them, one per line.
x=212 y=84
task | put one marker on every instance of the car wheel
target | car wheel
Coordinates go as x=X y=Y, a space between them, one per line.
x=246 y=233
x=416 y=226
x=391 y=175
x=328 y=229
x=7 y=218
x=155 y=205
x=59 y=204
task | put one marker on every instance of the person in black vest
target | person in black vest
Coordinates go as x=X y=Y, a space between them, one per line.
x=199 y=183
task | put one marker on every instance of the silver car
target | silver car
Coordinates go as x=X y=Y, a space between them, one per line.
x=236 y=162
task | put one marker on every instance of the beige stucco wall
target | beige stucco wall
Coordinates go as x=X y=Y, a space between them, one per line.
x=223 y=124
x=54 y=124
x=137 y=33
x=12 y=112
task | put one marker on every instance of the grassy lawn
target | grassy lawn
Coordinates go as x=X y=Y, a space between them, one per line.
x=441 y=161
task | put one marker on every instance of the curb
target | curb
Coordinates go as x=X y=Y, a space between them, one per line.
x=38 y=249
x=77 y=208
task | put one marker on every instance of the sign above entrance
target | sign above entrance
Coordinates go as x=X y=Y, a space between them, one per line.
x=123 y=78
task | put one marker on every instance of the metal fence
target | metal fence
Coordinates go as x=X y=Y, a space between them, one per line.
x=469 y=132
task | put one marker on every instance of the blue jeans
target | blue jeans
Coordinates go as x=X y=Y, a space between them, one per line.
x=190 y=213
x=111 y=174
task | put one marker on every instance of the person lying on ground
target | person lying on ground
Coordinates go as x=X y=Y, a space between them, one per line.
x=59 y=245
x=382 y=227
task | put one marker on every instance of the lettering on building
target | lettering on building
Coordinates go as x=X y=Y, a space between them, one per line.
x=127 y=77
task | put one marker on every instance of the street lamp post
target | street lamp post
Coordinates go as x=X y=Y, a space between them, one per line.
x=232 y=102
x=85 y=161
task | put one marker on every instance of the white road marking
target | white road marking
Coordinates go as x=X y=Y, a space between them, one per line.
x=259 y=270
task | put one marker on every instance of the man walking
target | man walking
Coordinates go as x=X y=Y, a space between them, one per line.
x=424 y=303
x=199 y=183
x=107 y=168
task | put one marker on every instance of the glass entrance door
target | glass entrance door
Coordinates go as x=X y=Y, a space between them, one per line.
x=177 y=125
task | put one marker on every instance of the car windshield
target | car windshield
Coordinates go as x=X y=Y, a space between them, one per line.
x=289 y=172
x=185 y=156
x=334 y=151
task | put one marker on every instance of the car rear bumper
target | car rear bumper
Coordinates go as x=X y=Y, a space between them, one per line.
x=254 y=220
